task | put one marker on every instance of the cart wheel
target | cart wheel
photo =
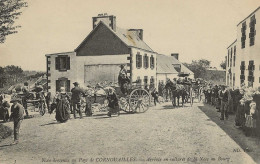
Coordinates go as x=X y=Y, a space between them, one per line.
x=124 y=105
x=139 y=100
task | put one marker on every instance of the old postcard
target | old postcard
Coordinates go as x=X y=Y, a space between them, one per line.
x=133 y=81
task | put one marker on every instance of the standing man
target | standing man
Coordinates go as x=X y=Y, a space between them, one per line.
x=155 y=96
x=17 y=112
x=75 y=99
x=25 y=90
x=224 y=103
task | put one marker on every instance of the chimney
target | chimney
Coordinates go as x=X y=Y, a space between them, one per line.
x=110 y=20
x=175 y=55
x=139 y=32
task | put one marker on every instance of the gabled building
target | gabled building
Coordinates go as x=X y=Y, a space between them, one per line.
x=169 y=67
x=243 y=57
x=99 y=56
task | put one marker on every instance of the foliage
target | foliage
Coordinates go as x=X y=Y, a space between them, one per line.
x=9 y=12
x=14 y=75
x=223 y=65
x=200 y=70
x=198 y=67
x=2 y=77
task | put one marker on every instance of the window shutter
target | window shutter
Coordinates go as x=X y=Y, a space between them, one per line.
x=57 y=85
x=140 y=62
x=137 y=61
x=151 y=62
x=144 y=61
x=147 y=61
x=68 y=86
x=68 y=63
x=57 y=63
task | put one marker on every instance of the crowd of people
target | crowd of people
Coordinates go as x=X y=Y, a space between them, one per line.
x=230 y=101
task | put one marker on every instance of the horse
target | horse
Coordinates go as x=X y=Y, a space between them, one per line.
x=177 y=91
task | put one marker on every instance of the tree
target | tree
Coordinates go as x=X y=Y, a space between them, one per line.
x=9 y=12
x=2 y=77
x=198 y=67
x=223 y=65
x=14 y=74
x=204 y=63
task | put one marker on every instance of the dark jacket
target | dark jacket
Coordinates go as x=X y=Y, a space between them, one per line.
x=224 y=96
x=17 y=112
x=76 y=94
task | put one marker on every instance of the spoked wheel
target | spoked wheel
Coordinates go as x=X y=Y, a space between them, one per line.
x=139 y=100
x=124 y=105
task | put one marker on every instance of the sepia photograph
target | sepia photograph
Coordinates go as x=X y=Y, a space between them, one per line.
x=129 y=81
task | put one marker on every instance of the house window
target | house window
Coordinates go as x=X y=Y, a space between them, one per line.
x=145 y=81
x=138 y=60
x=62 y=63
x=234 y=56
x=146 y=61
x=243 y=36
x=234 y=79
x=63 y=82
x=231 y=57
x=138 y=81
x=251 y=68
x=152 y=62
x=252 y=30
x=228 y=59
x=152 y=82
x=177 y=67
x=242 y=75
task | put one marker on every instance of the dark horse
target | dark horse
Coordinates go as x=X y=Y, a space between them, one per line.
x=178 y=91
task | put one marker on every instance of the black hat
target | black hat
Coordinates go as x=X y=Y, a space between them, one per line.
x=76 y=83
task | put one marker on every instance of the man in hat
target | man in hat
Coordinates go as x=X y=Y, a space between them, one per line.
x=17 y=112
x=123 y=80
x=76 y=98
x=25 y=90
x=224 y=103
x=122 y=70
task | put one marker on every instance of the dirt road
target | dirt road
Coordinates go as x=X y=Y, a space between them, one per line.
x=162 y=134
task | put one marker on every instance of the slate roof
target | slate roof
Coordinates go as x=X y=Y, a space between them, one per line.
x=130 y=38
x=165 y=65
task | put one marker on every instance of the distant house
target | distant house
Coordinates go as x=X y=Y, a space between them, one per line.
x=169 y=67
x=99 y=56
x=243 y=64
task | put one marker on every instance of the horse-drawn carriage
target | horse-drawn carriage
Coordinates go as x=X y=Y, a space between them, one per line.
x=34 y=99
x=184 y=89
x=134 y=100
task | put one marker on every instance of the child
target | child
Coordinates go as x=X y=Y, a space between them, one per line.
x=251 y=120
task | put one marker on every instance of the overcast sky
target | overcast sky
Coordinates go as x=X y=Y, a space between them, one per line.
x=193 y=28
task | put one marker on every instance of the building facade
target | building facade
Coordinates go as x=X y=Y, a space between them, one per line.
x=231 y=64
x=243 y=58
x=98 y=58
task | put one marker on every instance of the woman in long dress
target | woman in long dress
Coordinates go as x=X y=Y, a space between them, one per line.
x=62 y=106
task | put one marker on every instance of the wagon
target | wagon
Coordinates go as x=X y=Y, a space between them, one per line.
x=137 y=100
x=37 y=100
